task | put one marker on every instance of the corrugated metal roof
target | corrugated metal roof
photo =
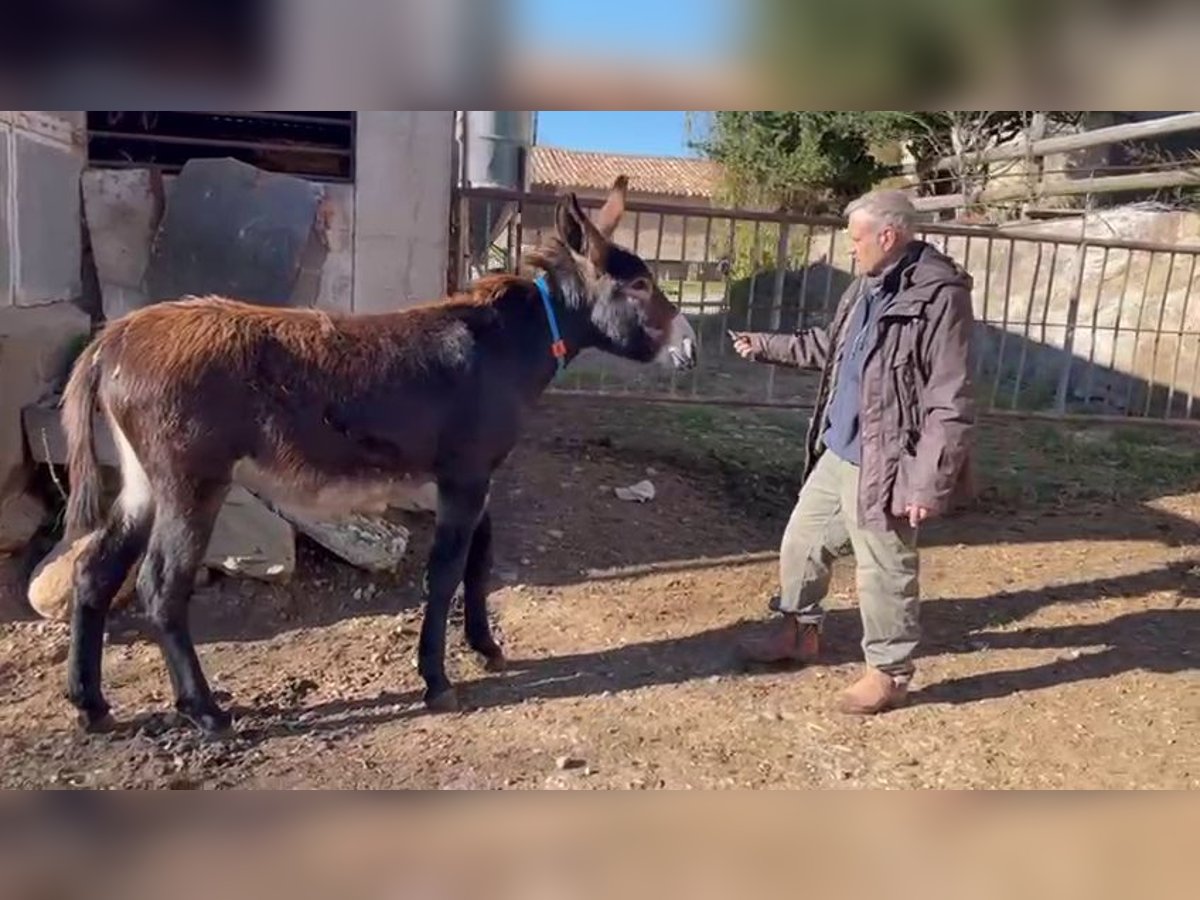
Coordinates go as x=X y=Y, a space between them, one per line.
x=558 y=167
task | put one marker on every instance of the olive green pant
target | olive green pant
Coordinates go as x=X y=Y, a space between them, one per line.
x=823 y=525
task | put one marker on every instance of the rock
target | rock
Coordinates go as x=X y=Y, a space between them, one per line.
x=370 y=543
x=556 y=534
x=21 y=515
x=642 y=492
x=251 y=540
x=419 y=499
x=12 y=601
x=563 y=763
x=52 y=586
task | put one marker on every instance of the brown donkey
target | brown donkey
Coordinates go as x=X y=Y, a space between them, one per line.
x=333 y=413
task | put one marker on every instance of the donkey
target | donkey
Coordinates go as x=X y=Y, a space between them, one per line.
x=333 y=414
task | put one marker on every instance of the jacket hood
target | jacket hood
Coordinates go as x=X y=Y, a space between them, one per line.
x=933 y=269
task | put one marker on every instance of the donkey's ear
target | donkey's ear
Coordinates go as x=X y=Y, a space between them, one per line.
x=577 y=231
x=614 y=207
x=567 y=223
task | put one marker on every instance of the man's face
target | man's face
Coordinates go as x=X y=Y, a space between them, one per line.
x=871 y=244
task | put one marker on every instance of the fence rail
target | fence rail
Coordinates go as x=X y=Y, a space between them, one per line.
x=1032 y=186
x=1071 y=323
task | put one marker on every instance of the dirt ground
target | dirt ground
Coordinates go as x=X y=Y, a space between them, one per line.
x=1062 y=634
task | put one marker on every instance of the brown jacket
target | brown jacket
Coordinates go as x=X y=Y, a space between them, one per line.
x=917 y=408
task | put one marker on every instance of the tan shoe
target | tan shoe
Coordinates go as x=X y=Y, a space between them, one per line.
x=874 y=692
x=790 y=641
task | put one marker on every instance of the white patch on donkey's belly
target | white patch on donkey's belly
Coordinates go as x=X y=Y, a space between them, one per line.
x=332 y=499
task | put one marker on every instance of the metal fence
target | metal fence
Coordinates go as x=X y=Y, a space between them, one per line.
x=1069 y=324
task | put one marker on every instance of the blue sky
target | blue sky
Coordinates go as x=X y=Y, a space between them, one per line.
x=650 y=132
x=662 y=31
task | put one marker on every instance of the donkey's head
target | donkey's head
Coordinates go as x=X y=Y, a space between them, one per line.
x=629 y=315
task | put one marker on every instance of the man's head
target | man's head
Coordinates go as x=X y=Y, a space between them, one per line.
x=881 y=226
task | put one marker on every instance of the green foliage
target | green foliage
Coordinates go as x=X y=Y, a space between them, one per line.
x=816 y=162
x=805 y=161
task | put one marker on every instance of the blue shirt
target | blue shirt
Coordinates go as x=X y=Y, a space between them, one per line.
x=842 y=413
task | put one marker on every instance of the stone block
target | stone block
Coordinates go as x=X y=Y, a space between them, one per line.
x=37 y=345
x=123 y=208
x=250 y=540
x=48 y=228
x=370 y=543
x=21 y=515
x=230 y=228
x=52 y=584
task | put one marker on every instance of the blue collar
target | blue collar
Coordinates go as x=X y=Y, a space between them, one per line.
x=559 y=347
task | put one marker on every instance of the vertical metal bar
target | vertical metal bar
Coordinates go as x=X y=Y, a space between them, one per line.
x=1049 y=289
x=1029 y=319
x=520 y=233
x=781 y=249
x=1187 y=294
x=983 y=313
x=830 y=303
x=1064 y=378
x=487 y=233
x=509 y=248
x=708 y=221
x=756 y=246
x=1151 y=381
x=1137 y=333
x=1112 y=357
x=658 y=245
x=682 y=281
x=1012 y=252
x=727 y=302
x=1195 y=380
x=802 y=312
x=662 y=221
x=1091 y=369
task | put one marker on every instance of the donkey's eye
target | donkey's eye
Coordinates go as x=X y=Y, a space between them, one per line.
x=641 y=285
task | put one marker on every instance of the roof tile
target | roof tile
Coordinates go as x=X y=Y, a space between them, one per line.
x=647 y=174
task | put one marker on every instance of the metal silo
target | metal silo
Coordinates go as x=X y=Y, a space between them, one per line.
x=494 y=145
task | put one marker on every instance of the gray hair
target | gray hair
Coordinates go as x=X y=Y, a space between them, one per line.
x=886 y=208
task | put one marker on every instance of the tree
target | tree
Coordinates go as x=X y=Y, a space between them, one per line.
x=808 y=162
x=815 y=162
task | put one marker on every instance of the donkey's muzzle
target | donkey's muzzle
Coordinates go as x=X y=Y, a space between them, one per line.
x=680 y=349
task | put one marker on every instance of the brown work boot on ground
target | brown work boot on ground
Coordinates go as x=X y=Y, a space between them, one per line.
x=873 y=693
x=790 y=641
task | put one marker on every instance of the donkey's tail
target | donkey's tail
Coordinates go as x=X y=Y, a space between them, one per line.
x=78 y=404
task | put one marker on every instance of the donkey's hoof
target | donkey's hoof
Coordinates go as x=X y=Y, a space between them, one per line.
x=442 y=702
x=215 y=724
x=495 y=662
x=96 y=721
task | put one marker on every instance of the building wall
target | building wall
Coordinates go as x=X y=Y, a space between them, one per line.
x=41 y=157
x=402 y=192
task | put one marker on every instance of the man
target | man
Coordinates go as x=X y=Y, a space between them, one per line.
x=887 y=446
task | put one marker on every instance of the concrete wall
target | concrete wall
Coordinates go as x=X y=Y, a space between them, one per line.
x=41 y=157
x=403 y=181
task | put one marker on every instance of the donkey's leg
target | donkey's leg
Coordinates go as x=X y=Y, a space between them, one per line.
x=460 y=505
x=99 y=573
x=182 y=529
x=475 y=591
